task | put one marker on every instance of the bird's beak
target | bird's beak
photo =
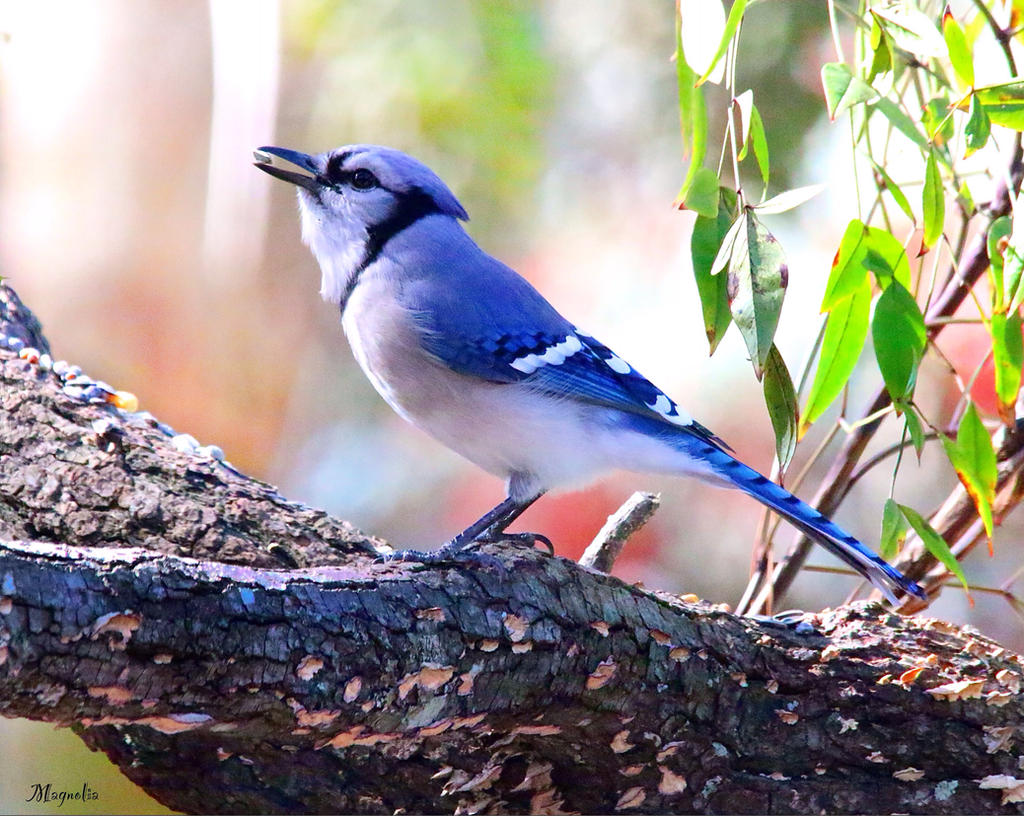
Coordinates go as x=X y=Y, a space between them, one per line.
x=263 y=162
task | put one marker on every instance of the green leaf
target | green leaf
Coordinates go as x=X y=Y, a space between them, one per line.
x=974 y=460
x=899 y=336
x=1007 y=358
x=1004 y=103
x=845 y=333
x=780 y=397
x=998 y=239
x=965 y=200
x=934 y=543
x=760 y=143
x=933 y=203
x=1013 y=258
x=705 y=241
x=903 y=123
x=757 y=283
x=788 y=200
x=864 y=249
x=914 y=429
x=693 y=117
x=911 y=30
x=894 y=530
x=881 y=53
x=938 y=123
x=731 y=24
x=894 y=190
x=745 y=104
x=959 y=50
x=978 y=127
x=842 y=89
x=701 y=25
x=734 y=240
x=702 y=197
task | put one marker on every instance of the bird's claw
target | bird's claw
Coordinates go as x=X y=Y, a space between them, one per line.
x=518 y=539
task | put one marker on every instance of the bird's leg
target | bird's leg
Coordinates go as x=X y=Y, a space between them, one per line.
x=491 y=527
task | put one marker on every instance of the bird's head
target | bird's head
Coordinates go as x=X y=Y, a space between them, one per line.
x=353 y=200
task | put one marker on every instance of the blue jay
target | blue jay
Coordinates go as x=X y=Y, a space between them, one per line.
x=464 y=348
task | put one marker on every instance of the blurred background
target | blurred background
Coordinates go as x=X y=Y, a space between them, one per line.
x=135 y=226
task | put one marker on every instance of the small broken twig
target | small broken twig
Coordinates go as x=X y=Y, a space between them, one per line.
x=611 y=538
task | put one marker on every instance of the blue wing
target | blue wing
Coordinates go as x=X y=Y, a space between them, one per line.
x=508 y=333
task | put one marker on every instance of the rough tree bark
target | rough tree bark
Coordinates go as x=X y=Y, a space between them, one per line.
x=232 y=651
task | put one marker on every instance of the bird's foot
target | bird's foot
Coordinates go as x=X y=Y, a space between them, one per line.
x=444 y=555
x=795 y=620
x=517 y=539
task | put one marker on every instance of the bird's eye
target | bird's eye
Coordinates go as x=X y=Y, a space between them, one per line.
x=363 y=179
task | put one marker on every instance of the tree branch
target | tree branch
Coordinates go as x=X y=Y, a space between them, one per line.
x=239 y=684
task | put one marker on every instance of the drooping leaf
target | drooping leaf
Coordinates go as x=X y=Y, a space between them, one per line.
x=843 y=90
x=934 y=543
x=978 y=128
x=974 y=460
x=701 y=25
x=841 y=345
x=702 y=197
x=1003 y=103
x=914 y=429
x=911 y=30
x=693 y=117
x=744 y=103
x=735 y=240
x=1007 y=359
x=789 y=199
x=760 y=144
x=757 y=283
x=865 y=249
x=903 y=123
x=933 y=203
x=705 y=241
x=881 y=52
x=894 y=190
x=731 y=24
x=899 y=336
x=997 y=241
x=1013 y=258
x=894 y=530
x=780 y=398
x=959 y=50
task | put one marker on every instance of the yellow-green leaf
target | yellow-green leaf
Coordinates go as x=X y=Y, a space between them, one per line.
x=998 y=237
x=911 y=30
x=865 y=249
x=913 y=428
x=894 y=190
x=959 y=50
x=974 y=460
x=845 y=333
x=843 y=90
x=899 y=336
x=934 y=543
x=903 y=123
x=1007 y=359
x=1004 y=103
x=933 y=203
x=894 y=530
x=759 y=141
x=731 y=24
x=702 y=197
x=780 y=398
x=693 y=117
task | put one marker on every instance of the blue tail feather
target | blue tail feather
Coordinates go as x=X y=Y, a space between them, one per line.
x=801 y=515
